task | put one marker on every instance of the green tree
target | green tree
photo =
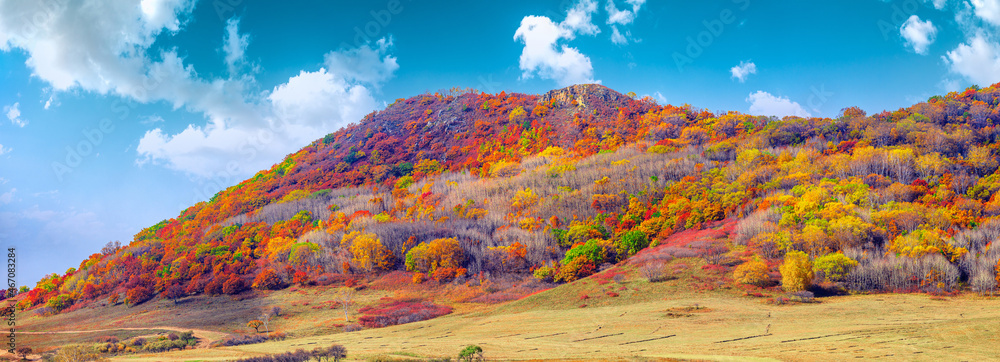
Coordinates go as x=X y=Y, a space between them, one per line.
x=471 y=353
x=631 y=242
x=835 y=266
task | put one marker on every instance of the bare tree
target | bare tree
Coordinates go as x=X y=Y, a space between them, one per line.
x=266 y=318
x=346 y=299
x=111 y=247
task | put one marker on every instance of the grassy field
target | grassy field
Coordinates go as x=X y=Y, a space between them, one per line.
x=905 y=327
x=695 y=316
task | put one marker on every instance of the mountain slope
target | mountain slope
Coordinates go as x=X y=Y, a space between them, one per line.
x=477 y=187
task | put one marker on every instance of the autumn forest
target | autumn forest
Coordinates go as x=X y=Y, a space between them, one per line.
x=461 y=186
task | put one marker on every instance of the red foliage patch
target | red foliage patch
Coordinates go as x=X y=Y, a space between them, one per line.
x=400 y=312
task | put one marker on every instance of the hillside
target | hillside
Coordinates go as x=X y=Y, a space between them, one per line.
x=507 y=194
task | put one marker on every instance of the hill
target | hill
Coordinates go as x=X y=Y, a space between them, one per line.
x=472 y=197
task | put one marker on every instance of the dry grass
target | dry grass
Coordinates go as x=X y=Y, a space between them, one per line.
x=641 y=321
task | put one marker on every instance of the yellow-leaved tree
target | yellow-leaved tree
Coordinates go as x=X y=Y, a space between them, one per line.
x=369 y=253
x=753 y=272
x=796 y=271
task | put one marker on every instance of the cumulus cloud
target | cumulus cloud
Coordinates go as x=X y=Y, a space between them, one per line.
x=743 y=70
x=988 y=10
x=764 y=104
x=978 y=60
x=107 y=47
x=543 y=55
x=622 y=18
x=918 y=34
x=14 y=115
x=306 y=107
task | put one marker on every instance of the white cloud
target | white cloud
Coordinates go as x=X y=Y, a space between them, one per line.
x=366 y=64
x=743 y=70
x=622 y=18
x=617 y=37
x=578 y=19
x=8 y=196
x=14 y=115
x=106 y=47
x=764 y=104
x=615 y=16
x=988 y=10
x=306 y=107
x=660 y=98
x=939 y=4
x=978 y=60
x=152 y=120
x=544 y=56
x=3 y=151
x=918 y=34
x=234 y=45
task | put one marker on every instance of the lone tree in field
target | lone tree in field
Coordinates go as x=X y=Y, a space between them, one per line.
x=346 y=299
x=276 y=310
x=471 y=353
x=266 y=318
x=796 y=271
x=255 y=324
x=23 y=351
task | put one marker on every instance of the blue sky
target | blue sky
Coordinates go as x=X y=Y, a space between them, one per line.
x=118 y=114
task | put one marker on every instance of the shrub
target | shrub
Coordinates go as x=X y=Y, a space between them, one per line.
x=336 y=352
x=234 y=285
x=439 y=253
x=752 y=272
x=796 y=271
x=835 y=266
x=239 y=340
x=803 y=296
x=137 y=295
x=631 y=242
x=400 y=312
x=589 y=250
x=580 y=267
x=267 y=280
x=297 y=356
x=471 y=353
x=545 y=273
x=653 y=272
